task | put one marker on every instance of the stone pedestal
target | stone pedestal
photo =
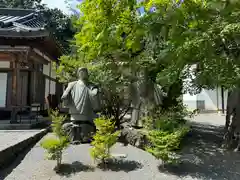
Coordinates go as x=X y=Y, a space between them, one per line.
x=79 y=131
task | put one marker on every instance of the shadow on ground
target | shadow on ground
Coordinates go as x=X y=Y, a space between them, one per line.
x=121 y=165
x=116 y=165
x=70 y=169
x=203 y=157
x=18 y=159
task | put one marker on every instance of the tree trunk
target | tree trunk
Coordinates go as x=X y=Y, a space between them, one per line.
x=174 y=92
x=59 y=159
x=232 y=124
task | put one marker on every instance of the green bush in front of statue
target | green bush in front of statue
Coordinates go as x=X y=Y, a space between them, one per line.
x=55 y=145
x=106 y=137
x=165 y=133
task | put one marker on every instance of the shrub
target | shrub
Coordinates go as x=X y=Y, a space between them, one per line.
x=165 y=137
x=57 y=122
x=55 y=145
x=147 y=122
x=164 y=144
x=103 y=140
x=176 y=115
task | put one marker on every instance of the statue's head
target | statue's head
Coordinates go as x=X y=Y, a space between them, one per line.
x=82 y=73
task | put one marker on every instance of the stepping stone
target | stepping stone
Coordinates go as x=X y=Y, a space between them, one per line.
x=121 y=156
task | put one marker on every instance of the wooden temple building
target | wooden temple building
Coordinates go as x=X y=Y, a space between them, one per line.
x=27 y=55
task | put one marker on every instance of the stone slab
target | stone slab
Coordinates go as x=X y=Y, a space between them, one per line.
x=24 y=125
x=13 y=142
x=11 y=137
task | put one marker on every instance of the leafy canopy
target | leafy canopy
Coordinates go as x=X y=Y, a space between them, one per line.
x=115 y=42
x=196 y=32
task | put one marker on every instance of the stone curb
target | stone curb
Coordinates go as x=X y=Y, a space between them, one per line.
x=8 y=155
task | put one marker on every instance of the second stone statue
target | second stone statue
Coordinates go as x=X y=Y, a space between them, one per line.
x=82 y=98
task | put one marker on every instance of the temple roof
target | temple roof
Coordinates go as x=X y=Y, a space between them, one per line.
x=21 y=23
x=21 y=27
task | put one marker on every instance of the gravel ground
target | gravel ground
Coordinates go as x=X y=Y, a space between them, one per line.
x=11 y=137
x=203 y=159
x=138 y=165
x=210 y=119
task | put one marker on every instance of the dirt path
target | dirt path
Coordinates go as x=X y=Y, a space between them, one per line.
x=203 y=157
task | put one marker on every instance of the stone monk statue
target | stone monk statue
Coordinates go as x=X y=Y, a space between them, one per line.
x=82 y=99
x=144 y=94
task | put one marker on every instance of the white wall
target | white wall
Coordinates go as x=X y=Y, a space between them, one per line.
x=53 y=71
x=50 y=87
x=46 y=87
x=53 y=83
x=3 y=89
x=53 y=87
x=212 y=99
x=209 y=100
x=4 y=64
x=190 y=101
x=46 y=69
x=206 y=99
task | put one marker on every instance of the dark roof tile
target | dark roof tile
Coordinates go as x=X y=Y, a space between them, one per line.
x=26 y=24
x=19 y=19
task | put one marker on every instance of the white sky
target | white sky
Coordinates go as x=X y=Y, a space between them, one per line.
x=60 y=4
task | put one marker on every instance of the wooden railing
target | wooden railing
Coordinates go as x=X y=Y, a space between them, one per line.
x=19 y=111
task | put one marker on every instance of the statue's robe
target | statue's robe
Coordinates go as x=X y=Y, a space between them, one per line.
x=82 y=101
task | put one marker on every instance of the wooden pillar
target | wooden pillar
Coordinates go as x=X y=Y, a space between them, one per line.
x=31 y=80
x=15 y=79
x=30 y=89
x=217 y=94
x=50 y=75
x=222 y=94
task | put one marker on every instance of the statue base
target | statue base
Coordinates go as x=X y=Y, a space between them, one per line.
x=79 y=131
x=130 y=135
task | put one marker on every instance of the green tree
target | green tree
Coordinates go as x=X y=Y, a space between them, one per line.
x=108 y=43
x=116 y=43
x=61 y=26
x=202 y=33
